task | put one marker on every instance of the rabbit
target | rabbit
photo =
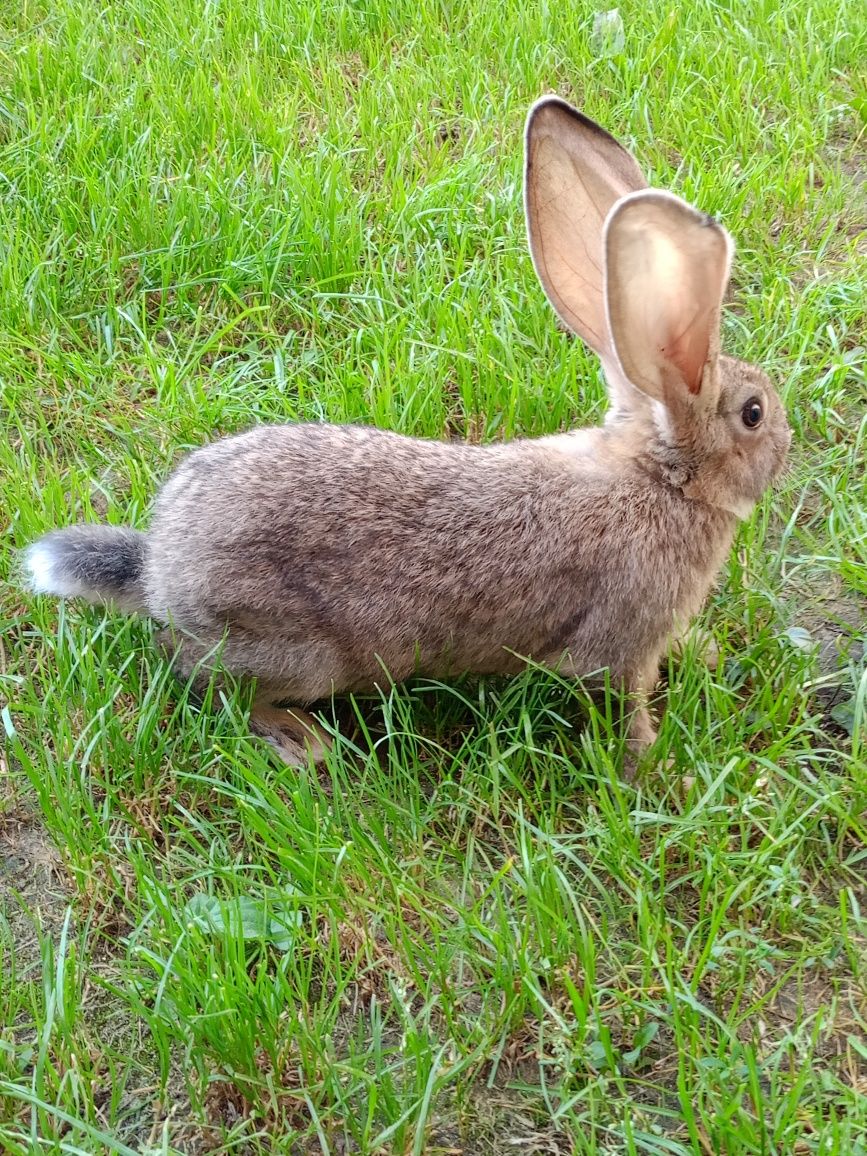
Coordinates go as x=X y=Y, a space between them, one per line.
x=330 y=559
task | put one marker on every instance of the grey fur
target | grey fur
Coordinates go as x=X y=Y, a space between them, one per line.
x=99 y=563
x=325 y=556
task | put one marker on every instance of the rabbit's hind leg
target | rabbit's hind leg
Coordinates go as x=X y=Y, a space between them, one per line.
x=295 y=735
x=187 y=657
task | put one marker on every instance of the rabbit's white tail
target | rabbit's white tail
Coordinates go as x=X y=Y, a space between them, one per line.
x=97 y=563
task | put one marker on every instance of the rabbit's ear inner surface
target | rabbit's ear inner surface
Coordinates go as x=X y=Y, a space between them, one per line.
x=574 y=172
x=666 y=271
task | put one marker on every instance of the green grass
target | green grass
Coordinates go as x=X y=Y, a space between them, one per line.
x=466 y=933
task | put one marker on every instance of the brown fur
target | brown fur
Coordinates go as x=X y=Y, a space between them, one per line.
x=329 y=559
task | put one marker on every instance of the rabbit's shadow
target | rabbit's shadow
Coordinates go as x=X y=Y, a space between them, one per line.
x=472 y=717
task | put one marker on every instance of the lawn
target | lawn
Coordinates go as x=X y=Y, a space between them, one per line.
x=466 y=933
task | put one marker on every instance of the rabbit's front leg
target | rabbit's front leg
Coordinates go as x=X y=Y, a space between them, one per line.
x=639 y=684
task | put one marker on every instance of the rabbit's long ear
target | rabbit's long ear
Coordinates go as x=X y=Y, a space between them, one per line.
x=666 y=271
x=573 y=173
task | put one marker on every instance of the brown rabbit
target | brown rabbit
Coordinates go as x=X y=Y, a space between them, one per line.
x=329 y=559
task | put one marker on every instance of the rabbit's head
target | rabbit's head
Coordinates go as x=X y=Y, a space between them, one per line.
x=640 y=275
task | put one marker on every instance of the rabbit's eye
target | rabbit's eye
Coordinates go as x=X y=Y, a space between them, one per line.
x=752 y=413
